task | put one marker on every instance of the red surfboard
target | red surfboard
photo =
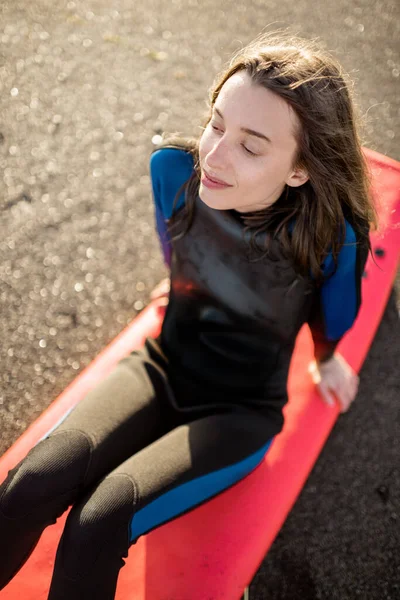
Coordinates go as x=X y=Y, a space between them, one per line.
x=213 y=551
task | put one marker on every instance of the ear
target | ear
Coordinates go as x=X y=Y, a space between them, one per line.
x=297 y=177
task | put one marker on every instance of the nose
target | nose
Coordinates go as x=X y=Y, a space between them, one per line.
x=218 y=156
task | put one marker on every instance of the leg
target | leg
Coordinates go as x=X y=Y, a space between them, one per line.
x=123 y=414
x=177 y=472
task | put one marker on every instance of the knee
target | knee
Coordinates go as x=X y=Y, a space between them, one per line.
x=54 y=467
x=99 y=526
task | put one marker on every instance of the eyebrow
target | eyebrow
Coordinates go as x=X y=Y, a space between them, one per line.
x=245 y=129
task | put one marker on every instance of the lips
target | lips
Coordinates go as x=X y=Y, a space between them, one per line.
x=214 y=179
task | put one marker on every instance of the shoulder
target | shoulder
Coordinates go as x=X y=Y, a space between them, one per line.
x=170 y=168
x=348 y=251
x=171 y=161
x=351 y=233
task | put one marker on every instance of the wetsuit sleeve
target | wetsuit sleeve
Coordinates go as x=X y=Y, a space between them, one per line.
x=169 y=169
x=339 y=299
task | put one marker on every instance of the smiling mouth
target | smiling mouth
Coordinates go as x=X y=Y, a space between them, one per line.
x=215 y=180
x=207 y=180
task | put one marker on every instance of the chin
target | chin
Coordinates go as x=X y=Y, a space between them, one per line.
x=209 y=200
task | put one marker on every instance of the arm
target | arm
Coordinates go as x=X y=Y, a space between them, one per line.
x=335 y=311
x=169 y=169
x=163 y=235
x=339 y=298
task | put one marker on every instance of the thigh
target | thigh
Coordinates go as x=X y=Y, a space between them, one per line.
x=125 y=412
x=177 y=472
x=192 y=463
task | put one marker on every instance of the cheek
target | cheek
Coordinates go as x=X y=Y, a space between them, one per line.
x=205 y=144
x=255 y=182
x=253 y=176
x=201 y=147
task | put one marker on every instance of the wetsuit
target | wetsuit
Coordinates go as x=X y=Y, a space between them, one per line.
x=186 y=416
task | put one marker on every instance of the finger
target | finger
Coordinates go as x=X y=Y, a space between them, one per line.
x=162 y=286
x=159 y=290
x=342 y=394
x=347 y=394
x=327 y=395
x=344 y=402
x=154 y=292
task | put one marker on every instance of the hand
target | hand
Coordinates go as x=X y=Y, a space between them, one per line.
x=161 y=291
x=335 y=377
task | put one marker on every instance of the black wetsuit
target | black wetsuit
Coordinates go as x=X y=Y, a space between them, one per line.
x=186 y=416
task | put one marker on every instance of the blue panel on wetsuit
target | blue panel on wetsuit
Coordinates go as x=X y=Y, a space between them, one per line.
x=164 y=236
x=192 y=493
x=339 y=292
x=169 y=169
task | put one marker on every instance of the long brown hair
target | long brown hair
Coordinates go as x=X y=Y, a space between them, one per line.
x=328 y=147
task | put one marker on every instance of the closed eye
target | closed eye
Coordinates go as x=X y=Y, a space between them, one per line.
x=243 y=146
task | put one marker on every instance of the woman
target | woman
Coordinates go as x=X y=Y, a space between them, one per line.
x=264 y=223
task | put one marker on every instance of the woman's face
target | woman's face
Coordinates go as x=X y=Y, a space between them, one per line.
x=255 y=167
